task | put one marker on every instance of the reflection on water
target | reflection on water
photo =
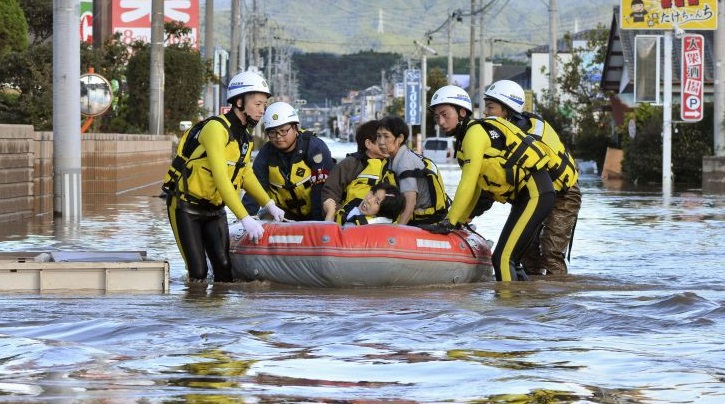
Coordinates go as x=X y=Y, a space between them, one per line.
x=640 y=319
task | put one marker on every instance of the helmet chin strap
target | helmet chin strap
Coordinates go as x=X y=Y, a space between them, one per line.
x=249 y=121
x=460 y=128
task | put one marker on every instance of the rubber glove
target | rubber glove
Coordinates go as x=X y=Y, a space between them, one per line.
x=277 y=213
x=253 y=228
x=442 y=227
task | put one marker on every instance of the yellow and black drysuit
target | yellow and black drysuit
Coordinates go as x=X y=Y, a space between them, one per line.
x=546 y=253
x=294 y=179
x=210 y=169
x=499 y=159
x=350 y=181
x=562 y=167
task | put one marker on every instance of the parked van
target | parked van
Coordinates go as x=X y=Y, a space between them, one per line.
x=439 y=149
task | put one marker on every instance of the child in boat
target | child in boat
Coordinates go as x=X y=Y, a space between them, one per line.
x=383 y=204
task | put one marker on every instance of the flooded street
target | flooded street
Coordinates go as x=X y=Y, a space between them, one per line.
x=640 y=319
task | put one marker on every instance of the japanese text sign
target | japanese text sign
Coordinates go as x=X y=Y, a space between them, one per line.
x=693 y=69
x=666 y=14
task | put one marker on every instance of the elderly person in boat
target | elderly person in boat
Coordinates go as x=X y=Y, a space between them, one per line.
x=383 y=204
x=416 y=176
x=352 y=178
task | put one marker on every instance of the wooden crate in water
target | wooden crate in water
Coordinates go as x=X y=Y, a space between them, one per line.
x=92 y=271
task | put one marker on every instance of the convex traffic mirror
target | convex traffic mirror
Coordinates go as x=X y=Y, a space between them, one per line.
x=96 y=94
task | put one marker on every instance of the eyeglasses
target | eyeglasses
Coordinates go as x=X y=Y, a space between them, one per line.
x=274 y=134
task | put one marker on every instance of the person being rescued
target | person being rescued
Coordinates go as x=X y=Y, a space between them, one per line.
x=292 y=166
x=382 y=204
x=209 y=170
x=417 y=177
x=350 y=179
x=498 y=159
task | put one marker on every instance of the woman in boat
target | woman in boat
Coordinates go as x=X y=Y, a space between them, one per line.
x=498 y=159
x=383 y=204
x=350 y=180
x=417 y=177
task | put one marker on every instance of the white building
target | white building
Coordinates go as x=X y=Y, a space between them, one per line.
x=539 y=58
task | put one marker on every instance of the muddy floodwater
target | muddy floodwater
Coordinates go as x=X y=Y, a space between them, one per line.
x=640 y=319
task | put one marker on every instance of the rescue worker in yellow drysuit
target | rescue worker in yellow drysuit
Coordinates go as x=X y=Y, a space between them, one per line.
x=546 y=254
x=293 y=165
x=209 y=171
x=498 y=159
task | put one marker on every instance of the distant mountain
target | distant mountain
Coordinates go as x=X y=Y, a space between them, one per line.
x=349 y=26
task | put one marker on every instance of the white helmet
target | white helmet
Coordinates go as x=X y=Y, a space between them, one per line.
x=508 y=93
x=278 y=114
x=452 y=95
x=246 y=82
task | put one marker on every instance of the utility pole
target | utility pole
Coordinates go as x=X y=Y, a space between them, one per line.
x=450 y=47
x=667 y=119
x=553 y=46
x=156 y=75
x=270 y=50
x=101 y=22
x=209 y=54
x=234 y=45
x=424 y=51
x=483 y=79
x=279 y=70
x=66 y=110
x=719 y=105
x=472 y=53
x=482 y=76
x=384 y=87
x=245 y=38
x=254 y=29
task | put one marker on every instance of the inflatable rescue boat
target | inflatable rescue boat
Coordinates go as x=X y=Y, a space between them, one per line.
x=324 y=254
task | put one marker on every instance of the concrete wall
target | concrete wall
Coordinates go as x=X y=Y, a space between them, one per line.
x=713 y=175
x=16 y=172
x=43 y=173
x=112 y=165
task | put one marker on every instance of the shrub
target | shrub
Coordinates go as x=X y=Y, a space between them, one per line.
x=643 y=153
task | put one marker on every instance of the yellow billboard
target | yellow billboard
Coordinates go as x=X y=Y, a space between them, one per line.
x=666 y=14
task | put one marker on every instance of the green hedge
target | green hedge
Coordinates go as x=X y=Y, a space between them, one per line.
x=642 y=161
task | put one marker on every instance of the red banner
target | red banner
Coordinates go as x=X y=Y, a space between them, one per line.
x=692 y=83
x=132 y=18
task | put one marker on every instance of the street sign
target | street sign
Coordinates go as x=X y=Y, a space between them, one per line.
x=693 y=69
x=412 y=96
x=668 y=14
